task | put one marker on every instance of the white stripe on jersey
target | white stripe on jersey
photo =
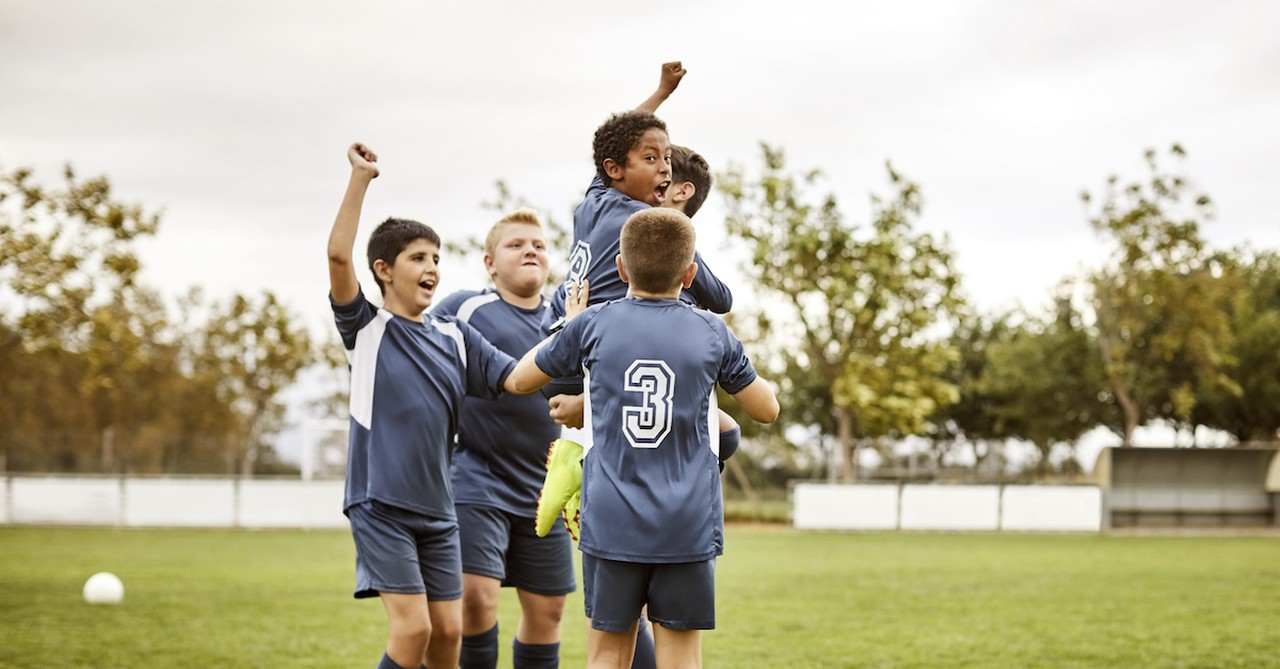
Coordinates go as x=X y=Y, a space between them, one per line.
x=452 y=331
x=713 y=423
x=470 y=305
x=364 y=363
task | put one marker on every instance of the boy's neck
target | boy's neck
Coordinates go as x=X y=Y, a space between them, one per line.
x=668 y=295
x=531 y=302
x=411 y=313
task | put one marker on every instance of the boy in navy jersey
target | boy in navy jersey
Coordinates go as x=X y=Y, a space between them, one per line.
x=498 y=464
x=408 y=379
x=652 y=517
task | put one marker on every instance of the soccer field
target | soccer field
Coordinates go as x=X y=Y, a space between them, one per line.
x=226 y=598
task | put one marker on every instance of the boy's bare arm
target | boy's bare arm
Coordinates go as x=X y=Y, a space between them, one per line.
x=672 y=73
x=343 y=285
x=527 y=378
x=758 y=400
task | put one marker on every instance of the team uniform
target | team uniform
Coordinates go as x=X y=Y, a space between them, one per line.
x=597 y=234
x=499 y=461
x=651 y=509
x=408 y=381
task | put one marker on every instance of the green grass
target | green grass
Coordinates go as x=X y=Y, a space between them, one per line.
x=786 y=599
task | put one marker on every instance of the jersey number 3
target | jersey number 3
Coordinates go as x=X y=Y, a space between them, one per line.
x=649 y=422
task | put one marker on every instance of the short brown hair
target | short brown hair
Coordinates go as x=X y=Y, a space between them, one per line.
x=523 y=216
x=687 y=165
x=657 y=246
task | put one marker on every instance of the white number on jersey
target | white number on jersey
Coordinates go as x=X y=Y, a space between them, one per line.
x=648 y=423
x=579 y=261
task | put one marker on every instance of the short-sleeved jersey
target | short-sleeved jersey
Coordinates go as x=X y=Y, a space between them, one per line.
x=597 y=235
x=408 y=379
x=650 y=480
x=501 y=454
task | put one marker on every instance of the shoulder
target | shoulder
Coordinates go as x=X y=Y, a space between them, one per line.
x=463 y=303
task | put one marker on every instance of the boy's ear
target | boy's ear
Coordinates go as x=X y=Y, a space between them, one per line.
x=689 y=273
x=682 y=192
x=622 y=270
x=612 y=168
x=382 y=269
x=489 y=266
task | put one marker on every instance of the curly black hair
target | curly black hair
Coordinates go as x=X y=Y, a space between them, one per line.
x=615 y=137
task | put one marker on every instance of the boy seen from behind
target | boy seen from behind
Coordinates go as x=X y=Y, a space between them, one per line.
x=652 y=516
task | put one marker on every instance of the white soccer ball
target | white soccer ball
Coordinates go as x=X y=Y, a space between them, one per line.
x=103 y=588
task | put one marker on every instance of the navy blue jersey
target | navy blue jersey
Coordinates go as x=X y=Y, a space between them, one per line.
x=650 y=480
x=597 y=234
x=407 y=383
x=500 y=459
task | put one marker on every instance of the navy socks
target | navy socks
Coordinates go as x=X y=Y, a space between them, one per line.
x=480 y=651
x=535 y=656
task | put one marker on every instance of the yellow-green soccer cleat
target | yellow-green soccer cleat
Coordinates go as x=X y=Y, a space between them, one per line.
x=572 y=516
x=563 y=481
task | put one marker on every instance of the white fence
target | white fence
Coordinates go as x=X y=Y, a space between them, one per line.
x=1035 y=508
x=171 y=502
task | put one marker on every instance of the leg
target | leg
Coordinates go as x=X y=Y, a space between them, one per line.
x=540 y=618
x=610 y=650
x=479 y=621
x=410 y=628
x=446 y=633
x=677 y=649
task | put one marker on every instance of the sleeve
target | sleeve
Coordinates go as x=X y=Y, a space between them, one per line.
x=562 y=356
x=487 y=365
x=352 y=316
x=708 y=291
x=736 y=370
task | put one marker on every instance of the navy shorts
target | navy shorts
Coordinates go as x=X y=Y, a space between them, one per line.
x=504 y=546
x=405 y=553
x=681 y=596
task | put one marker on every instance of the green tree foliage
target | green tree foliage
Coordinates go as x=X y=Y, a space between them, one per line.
x=972 y=418
x=1253 y=414
x=97 y=375
x=1160 y=302
x=1043 y=383
x=852 y=314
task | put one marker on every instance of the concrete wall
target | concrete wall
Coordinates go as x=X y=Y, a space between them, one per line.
x=947 y=507
x=171 y=502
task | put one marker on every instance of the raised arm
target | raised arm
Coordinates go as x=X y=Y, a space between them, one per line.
x=343 y=285
x=672 y=73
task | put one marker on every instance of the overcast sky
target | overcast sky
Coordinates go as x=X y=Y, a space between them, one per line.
x=234 y=117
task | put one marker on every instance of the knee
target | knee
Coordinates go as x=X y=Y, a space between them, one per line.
x=415 y=633
x=447 y=632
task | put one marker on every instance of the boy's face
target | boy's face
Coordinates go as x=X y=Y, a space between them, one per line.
x=519 y=259
x=647 y=173
x=411 y=282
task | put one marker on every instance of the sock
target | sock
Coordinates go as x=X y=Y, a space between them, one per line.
x=480 y=651
x=644 y=657
x=387 y=663
x=535 y=655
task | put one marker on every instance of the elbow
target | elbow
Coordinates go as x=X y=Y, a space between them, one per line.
x=770 y=414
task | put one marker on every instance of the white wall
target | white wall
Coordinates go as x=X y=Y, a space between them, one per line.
x=947 y=507
x=172 y=502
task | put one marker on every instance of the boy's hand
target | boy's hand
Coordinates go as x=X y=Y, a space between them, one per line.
x=363 y=159
x=575 y=299
x=567 y=410
x=672 y=73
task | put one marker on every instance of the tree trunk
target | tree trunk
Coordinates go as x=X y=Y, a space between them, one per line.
x=740 y=477
x=848 y=446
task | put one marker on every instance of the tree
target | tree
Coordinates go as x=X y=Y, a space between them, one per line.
x=972 y=418
x=251 y=351
x=1044 y=382
x=1253 y=413
x=853 y=314
x=1160 y=306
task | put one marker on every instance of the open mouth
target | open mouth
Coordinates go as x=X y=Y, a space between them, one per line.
x=427 y=284
x=661 y=191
